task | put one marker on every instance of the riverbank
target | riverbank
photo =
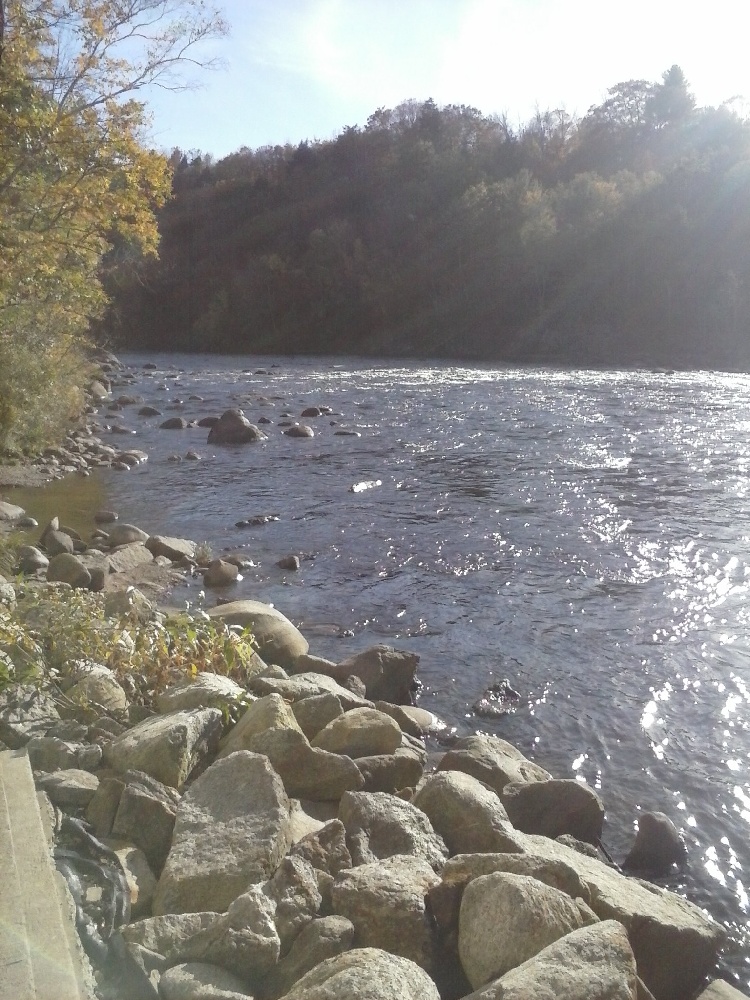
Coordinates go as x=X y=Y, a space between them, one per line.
x=253 y=817
x=301 y=497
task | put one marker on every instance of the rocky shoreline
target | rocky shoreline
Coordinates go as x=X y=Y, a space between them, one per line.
x=285 y=833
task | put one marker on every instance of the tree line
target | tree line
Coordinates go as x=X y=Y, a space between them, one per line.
x=617 y=238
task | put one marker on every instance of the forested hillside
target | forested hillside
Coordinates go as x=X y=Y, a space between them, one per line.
x=619 y=238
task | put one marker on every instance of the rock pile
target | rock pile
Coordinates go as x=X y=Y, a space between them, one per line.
x=303 y=851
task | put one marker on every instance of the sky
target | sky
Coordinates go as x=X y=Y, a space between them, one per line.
x=305 y=69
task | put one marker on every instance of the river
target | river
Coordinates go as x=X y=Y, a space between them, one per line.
x=584 y=534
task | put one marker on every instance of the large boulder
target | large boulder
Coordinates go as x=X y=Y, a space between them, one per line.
x=321 y=939
x=674 y=942
x=657 y=846
x=233 y=427
x=97 y=689
x=10 y=512
x=315 y=712
x=552 y=808
x=201 y=981
x=166 y=934
x=125 y=534
x=168 y=747
x=493 y=761
x=388 y=674
x=445 y=898
x=144 y=813
x=277 y=640
x=307 y=685
x=366 y=973
x=129 y=557
x=506 y=919
x=243 y=940
x=233 y=828
x=25 y=711
x=362 y=732
x=466 y=813
x=269 y=727
x=392 y=772
x=173 y=548
x=379 y=825
x=593 y=963
x=206 y=690
x=68 y=568
x=261 y=924
x=70 y=788
x=385 y=900
x=325 y=849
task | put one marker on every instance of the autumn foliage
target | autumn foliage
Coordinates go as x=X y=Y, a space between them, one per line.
x=77 y=180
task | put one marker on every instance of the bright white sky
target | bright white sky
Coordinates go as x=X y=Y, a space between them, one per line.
x=303 y=69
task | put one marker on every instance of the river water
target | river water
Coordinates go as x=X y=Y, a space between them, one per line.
x=584 y=534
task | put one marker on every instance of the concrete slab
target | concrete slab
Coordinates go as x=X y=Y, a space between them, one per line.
x=40 y=956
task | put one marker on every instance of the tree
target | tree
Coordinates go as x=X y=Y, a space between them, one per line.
x=671 y=102
x=76 y=175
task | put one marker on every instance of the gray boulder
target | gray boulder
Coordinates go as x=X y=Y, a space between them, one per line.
x=97 y=690
x=466 y=813
x=307 y=685
x=70 y=788
x=493 y=761
x=31 y=559
x=261 y=924
x=220 y=573
x=57 y=542
x=388 y=674
x=233 y=427
x=67 y=568
x=657 y=846
x=205 y=690
x=10 y=512
x=145 y=814
x=362 y=732
x=168 y=747
x=322 y=938
x=506 y=919
x=674 y=942
x=593 y=963
x=128 y=557
x=173 y=548
x=201 y=981
x=125 y=534
x=445 y=898
x=379 y=826
x=315 y=712
x=233 y=828
x=243 y=940
x=25 y=711
x=102 y=808
x=366 y=973
x=391 y=772
x=277 y=640
x=167 y=933
x=556 y=807
x=385 y=900
x=50 y=753
x=269 y=727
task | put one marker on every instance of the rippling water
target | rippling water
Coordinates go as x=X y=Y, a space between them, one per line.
x=584 y=534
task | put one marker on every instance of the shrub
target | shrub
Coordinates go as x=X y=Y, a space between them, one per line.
x=66 y=626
